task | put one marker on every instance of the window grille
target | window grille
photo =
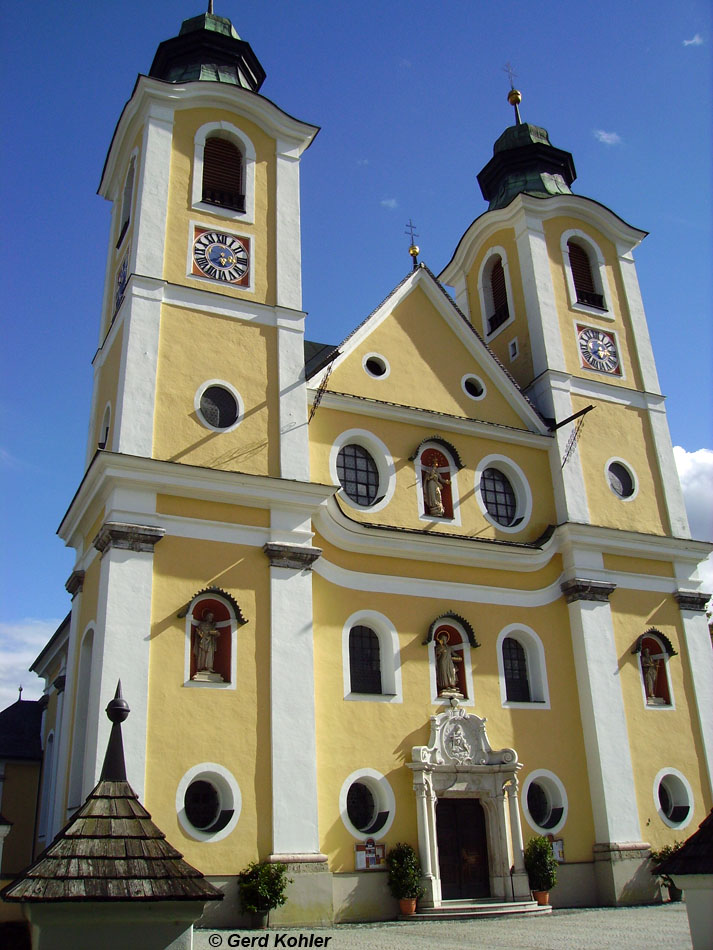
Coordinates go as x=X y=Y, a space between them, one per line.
x=517 y=683
x=498 y=496
x=358 y=474
x=364 y=660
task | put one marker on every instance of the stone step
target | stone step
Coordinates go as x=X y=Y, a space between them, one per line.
x=464 y=910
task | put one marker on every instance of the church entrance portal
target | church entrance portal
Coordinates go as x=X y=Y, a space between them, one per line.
x=462 y=849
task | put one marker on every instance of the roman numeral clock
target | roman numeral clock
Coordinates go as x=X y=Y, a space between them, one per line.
x=598 y=350
x=220 y=256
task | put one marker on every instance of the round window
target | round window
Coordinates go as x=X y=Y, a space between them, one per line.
x=498 y=496
x=219 y=407
x=375 y=366
x=473 y=387
x=545 y=802
x=361 y=806
x=621 y=481
x=202 y=804
x=674 y=799
x=358 y=474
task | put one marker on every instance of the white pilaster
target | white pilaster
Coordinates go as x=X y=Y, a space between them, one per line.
x=606 y=739
x=59 y=809
x=295 y=830
x=670 y=481
x=642 y=341
x=294 y=446
x=152 y=192
x=287 y=210
x=700 y=658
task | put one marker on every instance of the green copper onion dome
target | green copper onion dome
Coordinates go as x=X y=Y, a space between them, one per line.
x=208 y=48
x=525 y=162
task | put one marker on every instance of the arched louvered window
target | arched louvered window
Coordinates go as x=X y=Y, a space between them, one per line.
x=499 y=294
x=583 y=277
x=126 y=201
x=223 y=174
x=364 y=660
x=517 y=682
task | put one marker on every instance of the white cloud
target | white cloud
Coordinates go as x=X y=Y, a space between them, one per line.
x=696 y=40
x=389 y=203
x=608 y=138
x=695 y=469
x=362 y=161
x=20 y=643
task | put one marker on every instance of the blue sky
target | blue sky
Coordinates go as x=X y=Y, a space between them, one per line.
x=410 y=97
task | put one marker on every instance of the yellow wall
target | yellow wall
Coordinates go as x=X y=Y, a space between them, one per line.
x=19 y=798
x=107 y=385
x=180 y=213
x=195 y=348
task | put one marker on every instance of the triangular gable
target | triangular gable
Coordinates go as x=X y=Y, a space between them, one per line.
x=429 y=346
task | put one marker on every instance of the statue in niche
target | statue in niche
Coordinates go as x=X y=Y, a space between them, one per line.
x=432 y=494
x=446 y=672
x=205 y=644
x=650 y=669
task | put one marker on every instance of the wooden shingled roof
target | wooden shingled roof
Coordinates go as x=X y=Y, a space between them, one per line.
x=110 y=850
x=695 y=856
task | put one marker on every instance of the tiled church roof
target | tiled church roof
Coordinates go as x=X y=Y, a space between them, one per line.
x=110 y=850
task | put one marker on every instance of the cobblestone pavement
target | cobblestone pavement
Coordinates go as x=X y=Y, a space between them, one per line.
x=661 y=927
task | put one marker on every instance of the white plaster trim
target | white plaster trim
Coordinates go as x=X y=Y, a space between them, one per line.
x=229 y=797
x=382 y=458
x=662 y=655
x=80 y=716
x=700 y=660
x=437 y=700
x=479 y=381
x=389 y=654
x=294 y=436
x=223 y=384
x=381 y=359
x=230 y=132
x=152 y=191
x=424 y=417
x=630 y=470
x=536 y=667
x=232 y=630
x=208 y=300
x=642 y=341
x=49 y=778
x=452 y=473
x=670 y=479
x=556 y=793
x=212 y=282
x=681 y=794
x=598 y=269
x=288 y=244
x=383 y=795
x=485 y=290
x=521 y=487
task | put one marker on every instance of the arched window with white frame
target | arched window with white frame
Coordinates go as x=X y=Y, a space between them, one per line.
x=371 y=658
x=521 y=668
x=212 y=620
x=585 y=274
x=127 y=200
x=224 y=171
x=495 y=291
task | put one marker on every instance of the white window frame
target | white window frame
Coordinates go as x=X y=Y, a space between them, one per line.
x=480 y=383
x=229 y=797
x=663 y=653
x=231 y=389
x=521 y=487
x=383 y=794
x=599 y=274
x=384 y=465
x=437 y=700
x=681 y=792
x=536 y=667
x=485 y=291
x=557 y=794
x=389 y=656
x=382 y=359
x=630 y=470
x=452 y=475
x=193 y=684
x=224 y=130
x=121 y=238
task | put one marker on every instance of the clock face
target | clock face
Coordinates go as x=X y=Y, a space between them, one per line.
x=221 y=257
x=598 y=350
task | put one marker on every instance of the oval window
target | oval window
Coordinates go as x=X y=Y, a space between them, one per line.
x=621 y=481
x=219 y=407
x=358 y=474
x=498 y=496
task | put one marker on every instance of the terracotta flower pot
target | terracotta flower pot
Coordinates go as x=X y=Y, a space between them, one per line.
x=407 y=905
x=542 y=897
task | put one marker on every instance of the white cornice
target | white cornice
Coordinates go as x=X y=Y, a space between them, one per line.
x=594 y=389
x=110 y=470
x=463 y=331
x=292 y=135
x=599 y=216
x=631 y=543
x=429 y=419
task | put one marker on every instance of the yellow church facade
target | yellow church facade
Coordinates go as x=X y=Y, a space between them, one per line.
x=318 y=570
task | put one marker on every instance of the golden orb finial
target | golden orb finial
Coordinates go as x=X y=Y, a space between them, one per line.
x=414 y=250
x=514 y=97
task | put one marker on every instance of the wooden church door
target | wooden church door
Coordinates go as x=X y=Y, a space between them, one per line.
x=462 y=849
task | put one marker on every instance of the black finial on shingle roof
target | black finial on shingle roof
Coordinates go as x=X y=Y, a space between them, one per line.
x=114 y=768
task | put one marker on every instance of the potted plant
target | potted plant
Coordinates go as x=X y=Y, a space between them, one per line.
x=262 y=887
x=657 y=858
x=405 y=876
x=541 y=868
